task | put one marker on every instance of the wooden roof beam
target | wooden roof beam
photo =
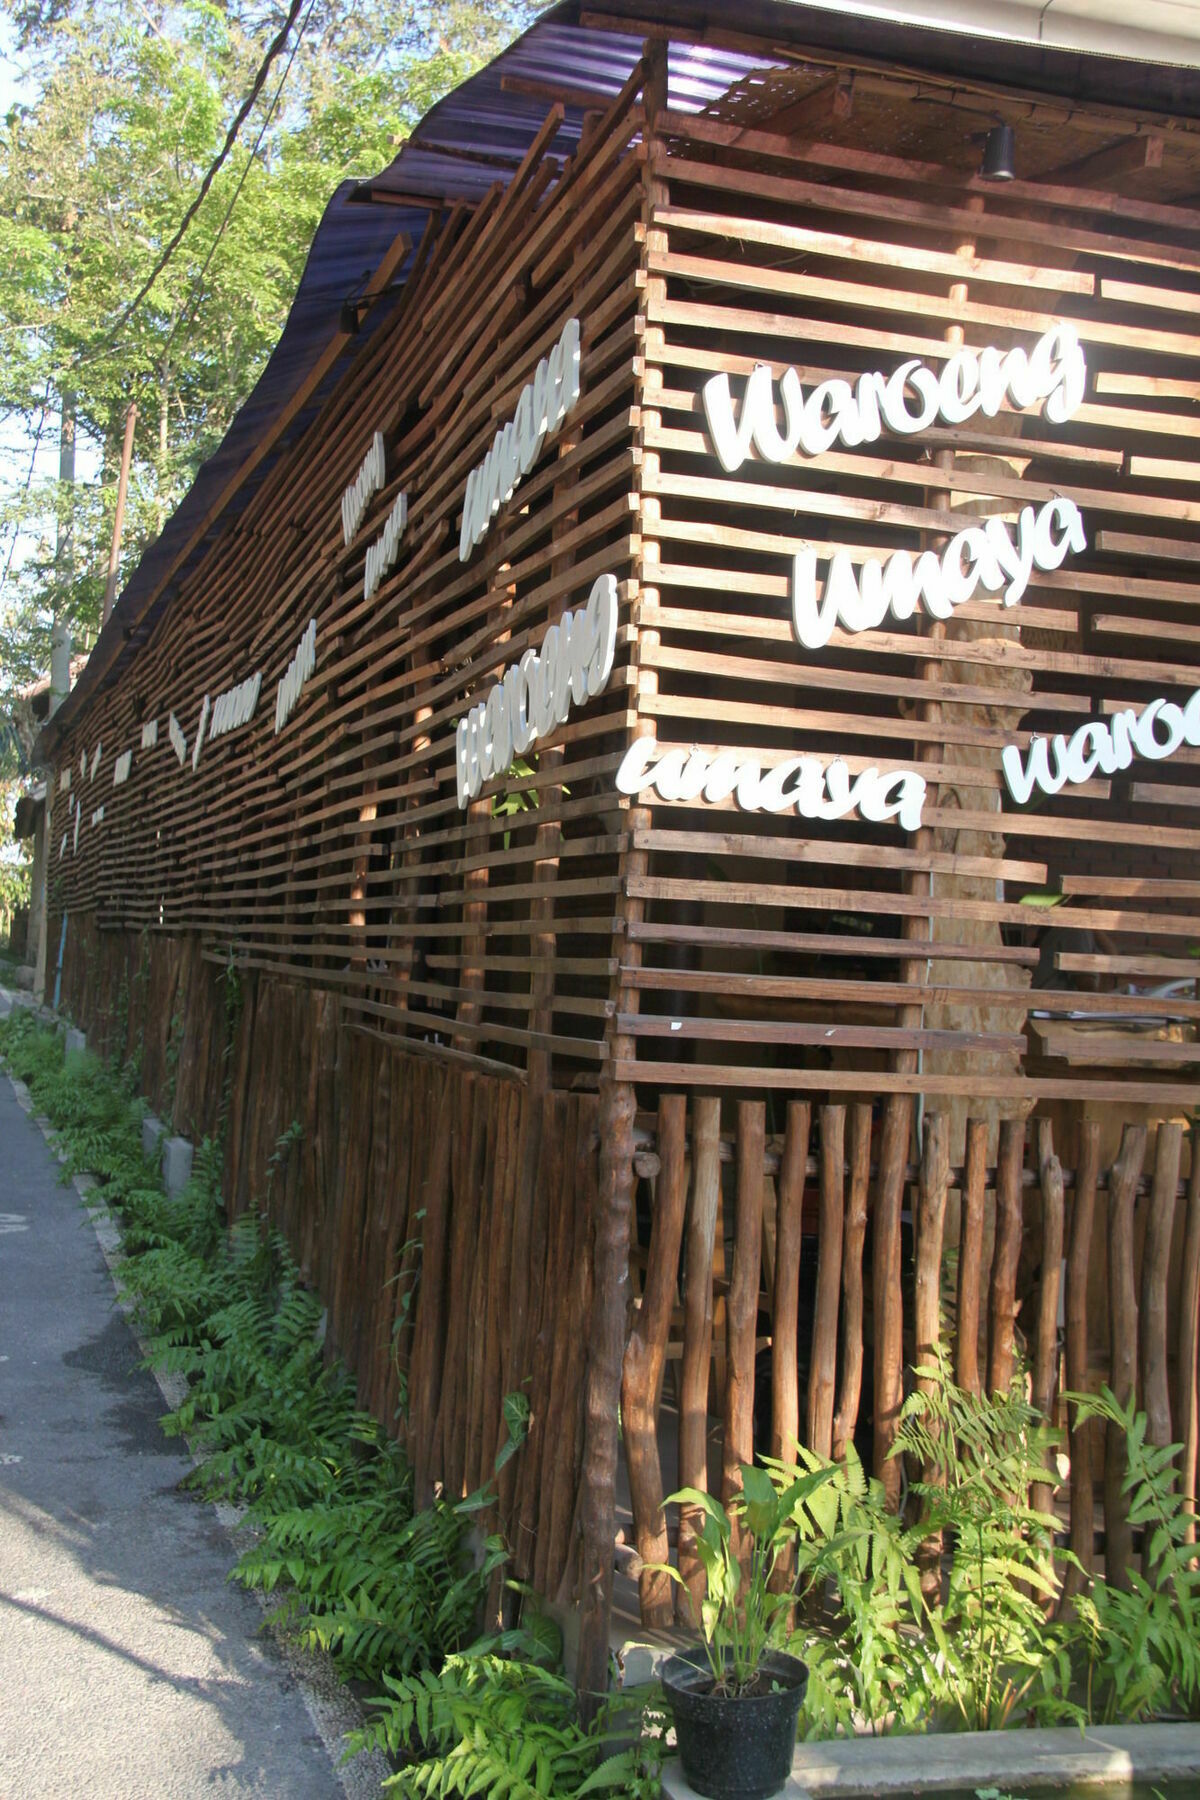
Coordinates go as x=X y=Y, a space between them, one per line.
x=1128 y=156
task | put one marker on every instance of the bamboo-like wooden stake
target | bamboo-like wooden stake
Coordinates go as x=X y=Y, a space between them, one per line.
x=1189 y=1337
x=888 y=1298
x=822 y=1374
x=697 y=1342
x=1082 y=1432
x=785 y=1377
x=606 y=1343
x=1156 y=1259
x=645 y=1355
x=970 y=1257
x=1152 y=1318
x=1045 y=1338
x=927 y=1309
x=742 y=1310
x=1002 y=1301
x=1123 y=1321
x=846 y=1418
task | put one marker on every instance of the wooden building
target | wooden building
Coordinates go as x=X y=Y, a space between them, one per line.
x=668 y=738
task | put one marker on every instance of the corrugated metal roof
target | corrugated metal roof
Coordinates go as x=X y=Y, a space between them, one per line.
x=478 y=133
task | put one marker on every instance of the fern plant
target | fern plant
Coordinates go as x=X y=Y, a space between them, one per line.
x=998 y=1651
x=1141 y=1648
x=487 y=1724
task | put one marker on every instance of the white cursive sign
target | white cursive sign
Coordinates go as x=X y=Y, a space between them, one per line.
x=542 y=405
x=235 y=706
x=971 y=381
x=368 y=481
x=383 y=552
x=535 y=695
x=981 y=555
x=122 y=767
x=292 y=681
x=1103 y=746
x=803 y=784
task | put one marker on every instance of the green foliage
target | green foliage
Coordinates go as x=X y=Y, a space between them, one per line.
x=999 y=1650
x=274 y=1420
x=506 y=1727
x=128 y=108
x=869 y=1664
x=983 y=1652
x=1141 y=1648
x=742 y=1616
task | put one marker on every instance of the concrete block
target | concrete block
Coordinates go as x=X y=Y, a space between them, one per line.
x=76 y=1040
x=177 y=1164
x=152 y=1130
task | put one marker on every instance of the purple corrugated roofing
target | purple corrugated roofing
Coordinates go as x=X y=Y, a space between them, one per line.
x=472 y=138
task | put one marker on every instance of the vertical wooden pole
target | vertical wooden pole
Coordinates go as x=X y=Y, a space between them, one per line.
x=785 y=1376
x=1189 y=1336
x=1002 y=1303
x=697 y=1342
x=1123 y=1320
x=1156 y=1399
x=618 y=1104
x=1083 y=1212
x=114 y=553
x=931 y=1227
x=822 y=1368
x=606 y=1343
x=742 y=1310
x=645 y=1355
x=1045 y=1338
x=1156 y=1259
x=970 y=1256
x=888 y=1297
x=846 y=1418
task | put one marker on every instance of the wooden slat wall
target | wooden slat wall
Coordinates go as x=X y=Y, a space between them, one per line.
x=772 y=951
x=335 y=853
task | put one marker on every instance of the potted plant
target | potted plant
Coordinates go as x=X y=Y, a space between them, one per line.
x=736 y=1697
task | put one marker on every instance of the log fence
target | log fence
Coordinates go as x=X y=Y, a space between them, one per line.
x=926 y=1239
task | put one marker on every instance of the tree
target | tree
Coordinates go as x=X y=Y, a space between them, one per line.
x=133 y=105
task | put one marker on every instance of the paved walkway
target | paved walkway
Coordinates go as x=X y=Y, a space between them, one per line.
x=130 y=1667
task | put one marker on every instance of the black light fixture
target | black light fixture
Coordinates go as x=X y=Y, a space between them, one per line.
x=999 y=153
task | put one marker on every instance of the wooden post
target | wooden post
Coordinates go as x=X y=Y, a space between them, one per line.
x=970 y=1256
x=889 y=1302
x=1083 y=1212
x=785 y=1375
x=852 y=1279
x=645 y=1355
x=742 y=1310
x=1156 y=1399
x=931 y=1226
x=606 y=1344
x=1122 y=1313
x=114 y=552
x=697 y=1342
x=822 y=1374
x=1189 y=1335
x=1045 y=1339
x=1002 y=1304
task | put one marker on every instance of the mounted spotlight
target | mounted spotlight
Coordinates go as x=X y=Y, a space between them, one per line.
x=999 y=153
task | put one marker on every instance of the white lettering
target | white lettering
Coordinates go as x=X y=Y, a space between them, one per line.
x=978 y=557
x=178 y=741
x=535 y=695
x=122 y=767
x=366 y=483
x=1053 y=375
x=292 y=681
x=820 y=791
x=383 y=552
x=542 y=405
x=1105 y=744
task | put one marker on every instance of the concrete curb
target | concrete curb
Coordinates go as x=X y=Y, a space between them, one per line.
x=328 y=1702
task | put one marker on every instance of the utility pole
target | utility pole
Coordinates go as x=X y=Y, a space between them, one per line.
x=114 y=554
x=60 y=670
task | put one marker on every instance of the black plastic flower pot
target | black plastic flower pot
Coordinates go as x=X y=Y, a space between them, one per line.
x=735 y=1749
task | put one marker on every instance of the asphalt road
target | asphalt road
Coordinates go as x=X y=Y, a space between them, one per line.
x=130 y=1667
